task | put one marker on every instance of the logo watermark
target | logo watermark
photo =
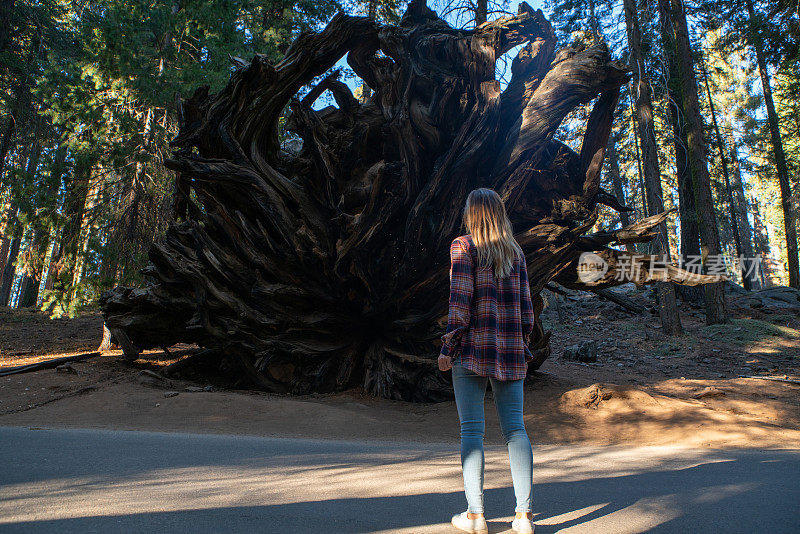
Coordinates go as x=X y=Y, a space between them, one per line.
x=592 y=267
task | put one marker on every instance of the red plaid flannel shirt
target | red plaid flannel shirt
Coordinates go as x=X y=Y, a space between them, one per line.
x=490 y=320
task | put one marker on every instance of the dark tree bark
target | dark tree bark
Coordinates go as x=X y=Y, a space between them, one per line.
x=777 y=147
x=327 y=268
x=6 y=10
x=5 y=236
x=5 y=245
x=690 y=231
x=667 y=304
x=6 y=141
x=481 y=11
x=7 y=280
x=26 y=289
x=689 y=228
x=716 y=308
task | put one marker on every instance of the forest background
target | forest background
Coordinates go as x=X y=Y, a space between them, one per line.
x=88 y=93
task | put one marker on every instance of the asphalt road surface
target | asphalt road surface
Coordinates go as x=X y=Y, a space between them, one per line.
x=120 y=481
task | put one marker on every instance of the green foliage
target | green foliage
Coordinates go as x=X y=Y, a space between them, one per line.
x=60 y=304
x=94 y=85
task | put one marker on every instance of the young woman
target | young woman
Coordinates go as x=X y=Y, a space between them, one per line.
x=488 y=327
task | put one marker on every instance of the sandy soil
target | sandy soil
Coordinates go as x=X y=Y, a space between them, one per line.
x=644 y=389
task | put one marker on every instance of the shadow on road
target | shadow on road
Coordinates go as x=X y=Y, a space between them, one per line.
x=103 y=481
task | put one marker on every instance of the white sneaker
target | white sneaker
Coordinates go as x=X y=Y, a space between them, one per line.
x=522 y=525
x=475 y=526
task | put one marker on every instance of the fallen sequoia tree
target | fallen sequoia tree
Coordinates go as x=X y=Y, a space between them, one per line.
x=326 y=267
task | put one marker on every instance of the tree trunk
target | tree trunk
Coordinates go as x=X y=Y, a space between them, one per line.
x=54 y=265
x=761 y=247
x=10 y=213
x=716 y=308
x=34 y=263
x=8 y=272
x=667 y=305
x=689 y=228
x=616 y=179
x=11 y=244
x=58 y=177
x=26 y=288
x=777 y=148
x=5 y=245
x=742 y=208
x=37 y=251
x=636 y=145
x=328 y=268
x=127 y=232
x=6 y=10
x=64 y=236
x=594 y=26
x=86 y=227
x=74 y=205
x=726 y=175
x=29 y=256
x=481 y=11
x=6 y=142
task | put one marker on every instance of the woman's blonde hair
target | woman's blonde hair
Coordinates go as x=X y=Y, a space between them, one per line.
x=486 y=219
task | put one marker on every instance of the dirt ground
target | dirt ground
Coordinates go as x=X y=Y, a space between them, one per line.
x=644 y=389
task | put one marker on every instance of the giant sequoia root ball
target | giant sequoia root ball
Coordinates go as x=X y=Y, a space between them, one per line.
x=325 y=266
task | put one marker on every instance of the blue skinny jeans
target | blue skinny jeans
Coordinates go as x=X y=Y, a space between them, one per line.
x=470 y=389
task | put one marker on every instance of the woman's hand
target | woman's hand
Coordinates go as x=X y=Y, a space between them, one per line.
x=445 y=363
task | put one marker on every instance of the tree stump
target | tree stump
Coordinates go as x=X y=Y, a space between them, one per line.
x=326 y=267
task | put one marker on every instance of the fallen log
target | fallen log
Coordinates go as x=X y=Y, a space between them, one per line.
x=47 y=364
x=773 y=378
x=620 y=300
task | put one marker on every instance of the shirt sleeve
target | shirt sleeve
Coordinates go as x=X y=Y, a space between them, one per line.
x=460 y=302
x=526 y=306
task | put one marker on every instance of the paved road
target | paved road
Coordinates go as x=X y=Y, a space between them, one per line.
x=110 y=481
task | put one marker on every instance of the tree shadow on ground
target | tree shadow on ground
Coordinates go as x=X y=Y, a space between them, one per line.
x=720 y=491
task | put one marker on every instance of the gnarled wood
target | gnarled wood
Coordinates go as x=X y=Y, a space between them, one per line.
x=326 y=267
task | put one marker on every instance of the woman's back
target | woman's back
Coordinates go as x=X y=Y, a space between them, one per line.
x=494 y=315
